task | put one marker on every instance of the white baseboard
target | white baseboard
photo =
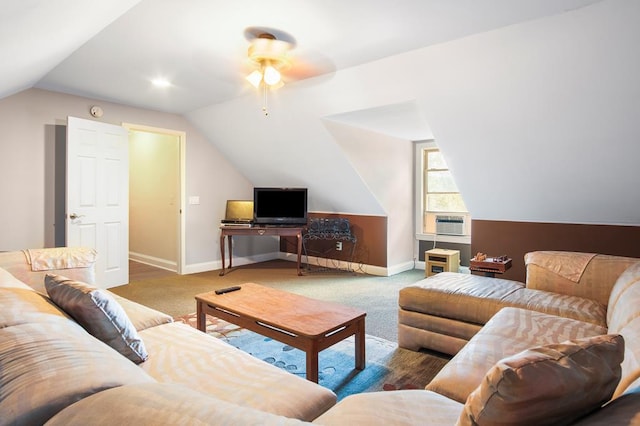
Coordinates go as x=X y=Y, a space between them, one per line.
x=195 y=268
x=355 y=267
x=292 y=257
x=154 y=261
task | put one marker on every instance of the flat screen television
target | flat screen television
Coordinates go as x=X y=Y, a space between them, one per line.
x=280 y=206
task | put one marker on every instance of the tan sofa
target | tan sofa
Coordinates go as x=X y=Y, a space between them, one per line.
x=52 y=369
x=445 y=311
x=511 y=343
x=49 y=362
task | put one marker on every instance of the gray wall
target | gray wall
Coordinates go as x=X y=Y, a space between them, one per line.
x=33 y=125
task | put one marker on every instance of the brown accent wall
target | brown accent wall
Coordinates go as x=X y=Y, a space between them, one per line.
x=370 y=248
x=515 y=239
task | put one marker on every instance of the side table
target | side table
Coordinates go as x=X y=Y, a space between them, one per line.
x=441 y=260
x=490 y=265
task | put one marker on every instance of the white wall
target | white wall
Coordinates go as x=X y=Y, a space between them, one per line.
x=548 y=111
x=385 y=164
x=27 y=169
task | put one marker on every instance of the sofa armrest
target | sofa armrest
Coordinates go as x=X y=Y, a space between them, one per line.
x=142 y=317
x=592 y=275
x=17 y=264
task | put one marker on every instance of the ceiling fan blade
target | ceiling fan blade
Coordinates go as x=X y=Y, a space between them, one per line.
x=308 y=66
x=270 y=46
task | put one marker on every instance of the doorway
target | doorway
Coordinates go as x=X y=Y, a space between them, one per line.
x=156 y=196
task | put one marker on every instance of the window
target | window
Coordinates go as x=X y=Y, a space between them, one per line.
x=440 y=191
x=437 y=193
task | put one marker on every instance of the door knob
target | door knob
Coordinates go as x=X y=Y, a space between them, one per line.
x=74 y=216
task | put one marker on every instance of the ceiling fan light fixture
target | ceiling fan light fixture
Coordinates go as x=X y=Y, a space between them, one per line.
x=271 y=75
x=255 y=78
x=270 y=56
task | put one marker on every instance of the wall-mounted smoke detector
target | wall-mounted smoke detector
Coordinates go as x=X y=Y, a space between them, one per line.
x=96 y=111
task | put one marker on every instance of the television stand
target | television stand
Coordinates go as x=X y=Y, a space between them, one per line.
x=257 y=230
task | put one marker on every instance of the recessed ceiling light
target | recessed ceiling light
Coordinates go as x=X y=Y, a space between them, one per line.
x=161 y=82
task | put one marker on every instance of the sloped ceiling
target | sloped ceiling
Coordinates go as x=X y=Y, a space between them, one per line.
x=535 y=104
x=79 y=47
x=403 y=121
x=37 y=35
x=538 y=121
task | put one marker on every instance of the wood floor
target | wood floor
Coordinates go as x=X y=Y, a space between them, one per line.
x=140 y=271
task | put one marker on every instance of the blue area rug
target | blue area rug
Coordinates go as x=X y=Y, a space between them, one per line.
x=387 y=367
x=336 y=365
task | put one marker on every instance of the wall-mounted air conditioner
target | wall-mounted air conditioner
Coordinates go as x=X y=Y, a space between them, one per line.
x=449 y=225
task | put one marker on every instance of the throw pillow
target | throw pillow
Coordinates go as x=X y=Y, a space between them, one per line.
x=547 y=385
x=99 y=313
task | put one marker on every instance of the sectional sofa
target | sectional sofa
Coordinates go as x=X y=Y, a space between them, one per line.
x=66 y=344
x=63 y=363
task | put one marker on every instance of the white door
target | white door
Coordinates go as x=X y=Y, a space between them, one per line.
x=98 y=196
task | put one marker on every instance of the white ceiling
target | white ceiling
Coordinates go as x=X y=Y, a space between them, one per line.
x=112 y=50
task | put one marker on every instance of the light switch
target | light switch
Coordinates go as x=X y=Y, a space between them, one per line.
x=194 y=199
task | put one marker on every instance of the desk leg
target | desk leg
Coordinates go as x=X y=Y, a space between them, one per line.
x=222 y=253
x=229 y=237
x=299 y=236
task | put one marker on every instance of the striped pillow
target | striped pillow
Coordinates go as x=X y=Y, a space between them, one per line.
x=99 y=313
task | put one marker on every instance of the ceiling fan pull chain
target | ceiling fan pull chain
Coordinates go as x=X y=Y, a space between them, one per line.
x=264 y=99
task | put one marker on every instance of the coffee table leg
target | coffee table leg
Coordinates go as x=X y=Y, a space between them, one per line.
x=312 y=364
x=360 y=346
x=201 y=317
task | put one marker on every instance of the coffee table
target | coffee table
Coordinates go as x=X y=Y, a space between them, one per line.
x=307 y=324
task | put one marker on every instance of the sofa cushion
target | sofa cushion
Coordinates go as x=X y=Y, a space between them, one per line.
x=548 y=385
x=47 y=366
x=465 y=297
x=155 y=404
x=17 y=263
x=595 y=281
x=563 y=305
x=181 y=354
x=99 y=313
x=141 y=316
x=24 y=305
x=401 y=407
x=8 y=280
x=631 y=364
x=510 y=331
x=475 y=299
x=624 y=299
x=621 y=411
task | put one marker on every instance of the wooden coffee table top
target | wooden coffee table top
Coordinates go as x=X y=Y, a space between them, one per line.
x=287 y=311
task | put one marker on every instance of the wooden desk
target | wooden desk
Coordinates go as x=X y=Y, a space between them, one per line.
x=281 y=231
x=307 y=324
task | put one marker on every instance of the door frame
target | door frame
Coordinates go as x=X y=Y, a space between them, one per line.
x=182 y=140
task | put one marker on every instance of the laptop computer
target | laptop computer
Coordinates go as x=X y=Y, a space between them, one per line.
x=239 y=212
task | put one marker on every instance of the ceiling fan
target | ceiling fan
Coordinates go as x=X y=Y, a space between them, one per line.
x=272 y=63
x=269 y=56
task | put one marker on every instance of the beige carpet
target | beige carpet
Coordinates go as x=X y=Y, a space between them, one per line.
x=377 y=296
